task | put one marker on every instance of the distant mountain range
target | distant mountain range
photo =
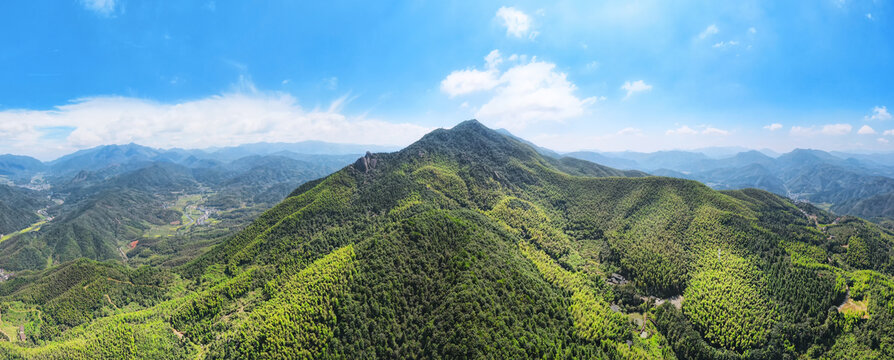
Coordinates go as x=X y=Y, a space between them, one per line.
x=467 y=244
x=110 y=196
x=846 y=183
x=127 y=157
x=854 y=184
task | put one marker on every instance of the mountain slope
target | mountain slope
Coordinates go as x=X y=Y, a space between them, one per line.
x=19 y=167
x=850 y=184
x=470 y=244
x=18 y=208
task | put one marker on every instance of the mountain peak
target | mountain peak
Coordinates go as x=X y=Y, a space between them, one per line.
x=471 y=123
x=472 y=140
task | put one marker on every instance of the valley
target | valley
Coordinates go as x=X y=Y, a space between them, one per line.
x=296 y=180
x=840 y=182
x=466 y=243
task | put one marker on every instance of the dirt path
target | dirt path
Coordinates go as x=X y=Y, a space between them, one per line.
x=123 y=255
x=110 y=301
x=179 y=334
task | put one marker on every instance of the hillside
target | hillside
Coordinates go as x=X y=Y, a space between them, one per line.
x=471 y=244
x=18 y=208
x=109 y=209
x=847 y=183
x=18 y=167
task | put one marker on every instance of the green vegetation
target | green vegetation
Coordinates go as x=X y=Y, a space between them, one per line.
x=724 y=302
x=18 y=209
x=470 y=244
x=34 y=227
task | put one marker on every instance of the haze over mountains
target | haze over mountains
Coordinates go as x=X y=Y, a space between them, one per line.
x=855 y=184
x=845 y=183
x=100 y=202
x=466 y=244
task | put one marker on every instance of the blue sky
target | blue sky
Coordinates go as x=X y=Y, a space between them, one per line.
x=569 y=75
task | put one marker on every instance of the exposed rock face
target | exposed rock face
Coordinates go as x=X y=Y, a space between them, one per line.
x=366 y=163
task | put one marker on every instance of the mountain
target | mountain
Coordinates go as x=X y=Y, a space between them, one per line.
x=840 y=181
x=304 y=147
x=674 y=159
x=103 y=156
x=18 y=208
x=604 y=159
x=471 y=244
x=108 y=209
x=19 y=167
x=541 y=150
x=719 y=152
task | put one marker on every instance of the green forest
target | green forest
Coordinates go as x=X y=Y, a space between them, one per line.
x=470 y=244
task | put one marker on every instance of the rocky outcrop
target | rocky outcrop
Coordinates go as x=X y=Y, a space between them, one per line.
x=366 y=163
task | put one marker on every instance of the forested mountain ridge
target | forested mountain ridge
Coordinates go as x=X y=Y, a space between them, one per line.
x=124 y=196
x=19 y=208
x=848 y=184
x=471 y=244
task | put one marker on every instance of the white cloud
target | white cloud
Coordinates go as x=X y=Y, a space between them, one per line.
x=221 y=120
x=836 y=129
x=517 y=23
x=830 y=129
x=879 y=113
x=462 y=82
x=882 y=140
x=683 y=130
x=773 y=127
x=635 y=87
x=752 y=30
x=866 y=130
x=888 y=132
x=630 y=131
x=592 y=65
x=725 y=44
x=802 y=131
x=532 y=92
x=869 y=16
x=710 y=30
x=525 y=93
x=330 y=83
x=493 y=59
x=467 y=81
x=714 y=131
x=101 y=7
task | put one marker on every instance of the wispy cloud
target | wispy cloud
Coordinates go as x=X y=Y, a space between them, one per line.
x=682 y=130
x=773 y=127
x=725 y=44
x=707 y=130
x=802 y=131
x=629 y=131
x=830 y=129
x=221 y=120
x=710 y=30
x=836 y=129
x=714 y=131
x=635 y=87
x=101 y=7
